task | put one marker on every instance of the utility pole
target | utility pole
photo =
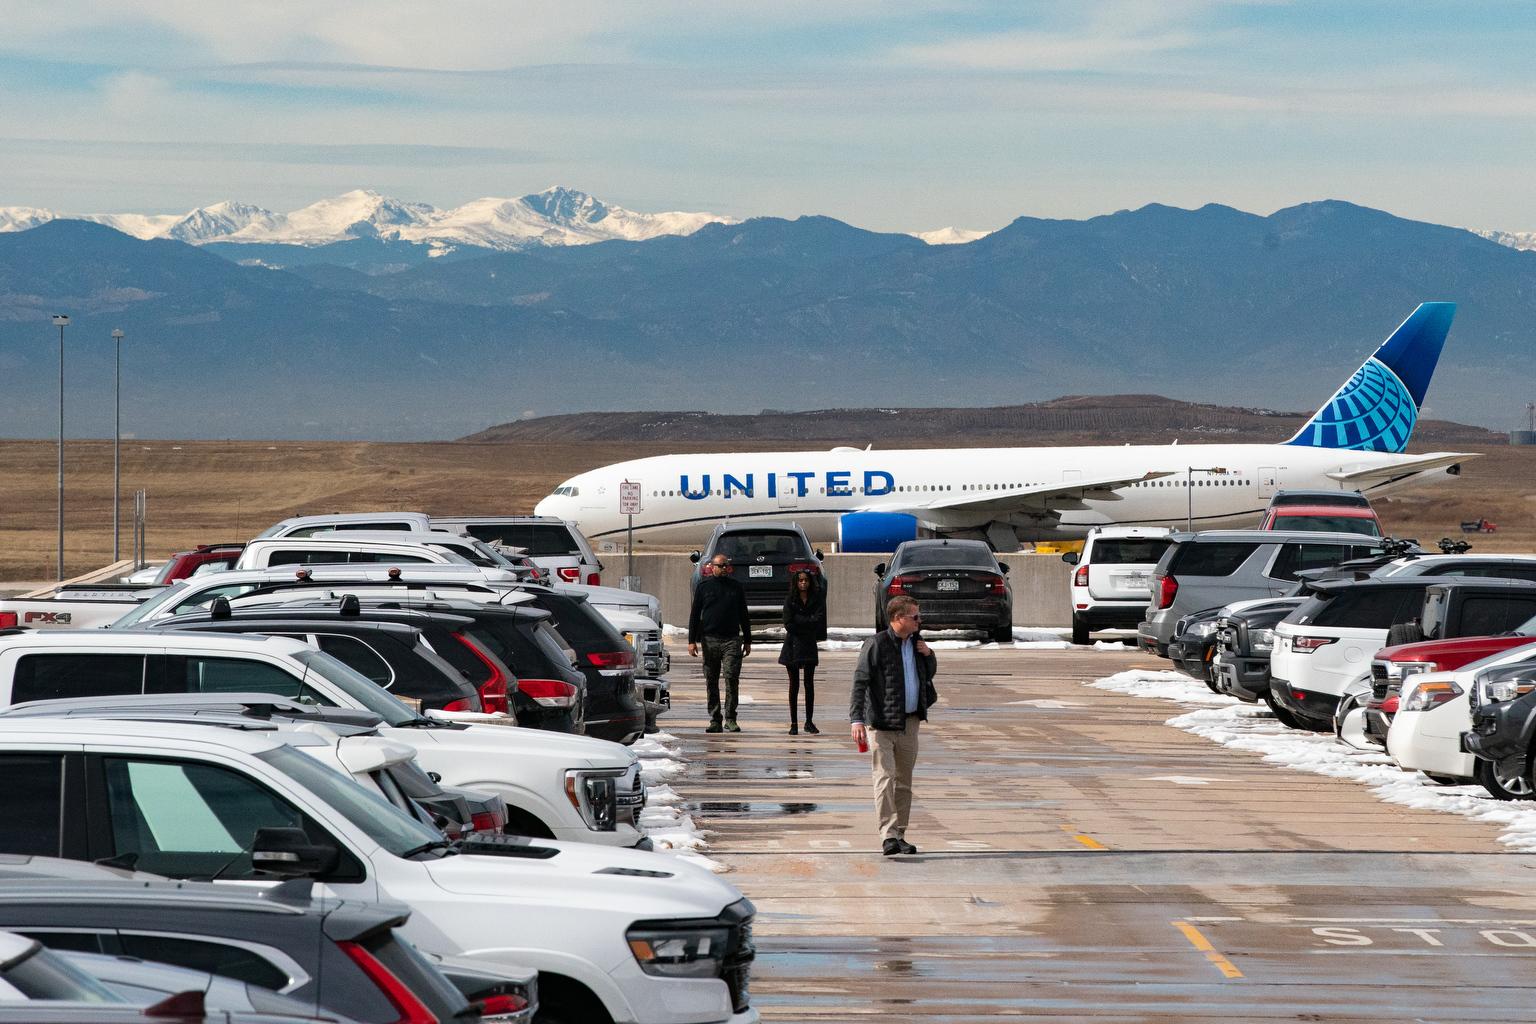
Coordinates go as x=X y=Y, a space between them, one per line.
x=61 y=321
x=1189 y=491
x=117 y=438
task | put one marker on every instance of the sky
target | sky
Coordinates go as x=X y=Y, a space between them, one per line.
x=901 y=117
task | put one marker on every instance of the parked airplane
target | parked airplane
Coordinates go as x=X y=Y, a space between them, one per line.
x=870 y=500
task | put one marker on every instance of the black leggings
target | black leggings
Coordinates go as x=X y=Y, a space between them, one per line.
x=794 y=691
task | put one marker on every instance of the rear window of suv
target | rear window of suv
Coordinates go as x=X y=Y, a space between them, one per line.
x=540 y=540
x=771 y=545
x=1127 y=551
x=1218 y=558
x=1366 y=608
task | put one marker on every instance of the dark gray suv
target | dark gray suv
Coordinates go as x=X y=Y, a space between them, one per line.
x=764 y=556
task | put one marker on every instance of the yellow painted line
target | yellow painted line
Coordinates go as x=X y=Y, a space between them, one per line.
x=1200 y=942
x=1088 y=841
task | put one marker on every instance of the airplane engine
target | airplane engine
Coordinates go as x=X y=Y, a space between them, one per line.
x=875 y=532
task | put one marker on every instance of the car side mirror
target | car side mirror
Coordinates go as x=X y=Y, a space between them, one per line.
x=1003 y=566
x=288 y=853
x=880 y=569
x=1071 y=557
x=694 y=556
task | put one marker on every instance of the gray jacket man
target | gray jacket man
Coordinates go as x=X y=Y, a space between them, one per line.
x=892 y=692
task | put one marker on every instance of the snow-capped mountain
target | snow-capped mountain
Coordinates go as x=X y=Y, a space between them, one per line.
x=1514 y=239
x=556 y=216
x=950 y=236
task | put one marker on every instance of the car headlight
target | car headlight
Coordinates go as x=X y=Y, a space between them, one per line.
x=1506 y=684
x=686 y=951
x=1261 y=639
x=595 y=797
x=1403 y=669
x=1430 y=694
x=1199 y=629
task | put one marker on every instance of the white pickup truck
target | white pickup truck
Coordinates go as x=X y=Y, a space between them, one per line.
x=75 y=606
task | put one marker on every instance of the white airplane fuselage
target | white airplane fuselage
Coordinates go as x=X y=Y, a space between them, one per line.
x=684 y=496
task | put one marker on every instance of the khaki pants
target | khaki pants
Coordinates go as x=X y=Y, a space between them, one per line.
x=893 y=755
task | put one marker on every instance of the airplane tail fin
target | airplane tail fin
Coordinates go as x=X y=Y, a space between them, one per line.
x=1377 y=407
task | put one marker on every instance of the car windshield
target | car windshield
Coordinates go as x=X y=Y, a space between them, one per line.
x=540 y=540
x=946 y=556
x=1329 y=524
x=384 y=823
x=357 y=686
x=167 y=596
x=770 y=545
x=1128 y=550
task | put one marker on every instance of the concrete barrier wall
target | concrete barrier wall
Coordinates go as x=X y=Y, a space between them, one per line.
x=1040 y=582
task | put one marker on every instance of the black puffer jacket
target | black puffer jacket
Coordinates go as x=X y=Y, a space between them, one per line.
x=879 y=698
x=805 y=624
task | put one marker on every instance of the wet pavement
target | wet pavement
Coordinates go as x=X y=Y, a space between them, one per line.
x=1080 y=860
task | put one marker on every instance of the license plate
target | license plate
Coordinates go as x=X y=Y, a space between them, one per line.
x=760 y=571
x=949 y=584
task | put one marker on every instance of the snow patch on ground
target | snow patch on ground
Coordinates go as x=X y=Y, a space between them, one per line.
x=1229 y=722
x=670 y=828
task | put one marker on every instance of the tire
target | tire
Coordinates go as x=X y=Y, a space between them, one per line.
x=563 y=1000
x=1002 y=635
x=1282 y=714
x=1404 y=633
x=1444 y=780
x=1080 y=631
x=1508 y=779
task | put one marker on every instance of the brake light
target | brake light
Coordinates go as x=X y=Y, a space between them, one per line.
x=569 y=573
x=900 y=584
x=462 y=704
x=404 y=1001
x=593 y=580
x=8 y=620
x=811 y=567
x=549 y=693
x=1390 y=705
x=492 y=1007
x=1167 y=590
x=493 y=689
x=1308 y=644
x=996 y=585
x=611 y=659
x=1080 y=578
x=487 y=821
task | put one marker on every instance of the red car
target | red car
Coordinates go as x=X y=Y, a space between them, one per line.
x=1323 y=519
x=184 y=563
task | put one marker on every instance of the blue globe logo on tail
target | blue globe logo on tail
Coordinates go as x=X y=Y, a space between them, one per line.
x=1377 y=408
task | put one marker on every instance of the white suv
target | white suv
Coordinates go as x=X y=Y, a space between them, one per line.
x=1112 y=579
x=613 y=933
x=553 y=543
x=581 y=789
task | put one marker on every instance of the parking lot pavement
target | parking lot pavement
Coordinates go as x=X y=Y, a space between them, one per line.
x=1082 y=860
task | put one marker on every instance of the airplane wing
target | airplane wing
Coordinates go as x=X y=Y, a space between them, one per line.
x=1067 y=494
x=1377 y=476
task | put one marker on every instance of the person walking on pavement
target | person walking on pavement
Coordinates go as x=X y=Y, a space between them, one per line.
x=892 y=692
x=805 y=624
x=718 y=622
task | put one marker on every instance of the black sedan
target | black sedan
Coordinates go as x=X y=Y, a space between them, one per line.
x=959 y=584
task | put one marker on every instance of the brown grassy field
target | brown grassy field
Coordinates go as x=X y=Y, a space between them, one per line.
x=201 y=491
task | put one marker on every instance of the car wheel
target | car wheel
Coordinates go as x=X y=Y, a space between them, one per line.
x=1444 y=780
x=1002 y=635
x=1506 y=779
x=1282 y=715
x=1080 y=631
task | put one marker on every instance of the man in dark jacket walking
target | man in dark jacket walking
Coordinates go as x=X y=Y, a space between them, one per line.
x=892 y=692
x=719 y=621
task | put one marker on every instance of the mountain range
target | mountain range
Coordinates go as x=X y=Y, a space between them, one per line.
x=372 y=336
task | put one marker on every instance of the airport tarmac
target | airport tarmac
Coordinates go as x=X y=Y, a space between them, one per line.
x=1081 y=860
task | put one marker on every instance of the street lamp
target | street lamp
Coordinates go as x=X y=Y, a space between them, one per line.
x=117 y=436
x=1189 y=491
x=61 y=321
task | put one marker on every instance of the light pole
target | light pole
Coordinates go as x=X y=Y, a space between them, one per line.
x=1189 y=491
x=117 y=435
x=61 y=321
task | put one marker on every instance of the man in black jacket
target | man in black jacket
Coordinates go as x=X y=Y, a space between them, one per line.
x=892 y=692
x=719 y=621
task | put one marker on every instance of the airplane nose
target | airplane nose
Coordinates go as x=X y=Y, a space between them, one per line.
x=549 y=505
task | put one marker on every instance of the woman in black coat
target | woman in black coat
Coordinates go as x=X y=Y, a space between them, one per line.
x=805 y=623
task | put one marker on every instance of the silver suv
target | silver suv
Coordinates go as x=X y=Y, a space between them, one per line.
x=1215 y=568
x=554 y=544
